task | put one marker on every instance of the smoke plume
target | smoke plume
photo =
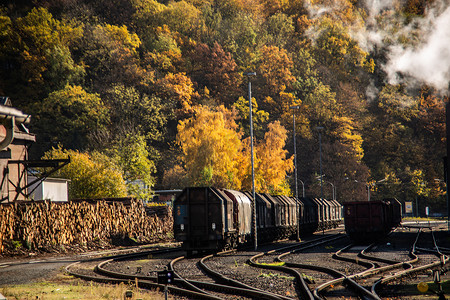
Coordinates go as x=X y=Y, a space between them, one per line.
x=427 y=62
x=417 y=49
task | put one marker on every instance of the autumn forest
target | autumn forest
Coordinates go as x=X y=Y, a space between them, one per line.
x=147 y=93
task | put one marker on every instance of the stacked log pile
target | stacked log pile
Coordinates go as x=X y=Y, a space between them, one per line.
x=44 y=224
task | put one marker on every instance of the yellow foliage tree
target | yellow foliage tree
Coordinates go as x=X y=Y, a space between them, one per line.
x=35 y=36
x=91 y=175
x=210 y=143
x=272 y=164
x=177 y=89
x=121 y=36
x=275 y=68
x=213 y=153
x=347 y=135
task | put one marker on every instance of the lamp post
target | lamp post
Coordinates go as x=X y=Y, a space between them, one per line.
x=319 y=129
x=333 y=189
x=295 y=152
x=252 y=159
x=303 y=188
x=295 y=172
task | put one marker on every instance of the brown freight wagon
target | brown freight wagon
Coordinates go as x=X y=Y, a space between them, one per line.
x=371 y=220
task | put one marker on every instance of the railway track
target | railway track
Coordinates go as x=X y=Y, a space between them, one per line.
x=429 y=257
x=216 y=276
x=292 y=268
x=365 y=284
x=97 y=270
x=213 y=282
x=134 y=268
x=308 y=270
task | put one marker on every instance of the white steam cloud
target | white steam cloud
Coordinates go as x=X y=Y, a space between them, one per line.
x=425 y=59
x=429 y=61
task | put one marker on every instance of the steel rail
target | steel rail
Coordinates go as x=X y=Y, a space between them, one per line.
x=304 y=289
x=372 y=270
x=100 y=268
x=121 y=277
x=140 y=283
x=303 y=286
x=232 y=285
x=443 y=259
x=348 y=280
x=326 y=270
x=230 y=289
x=261 y=294
x=184 y=281
x=192 y=285
x=392 y=264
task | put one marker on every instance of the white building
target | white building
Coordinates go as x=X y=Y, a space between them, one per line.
x=54 y=189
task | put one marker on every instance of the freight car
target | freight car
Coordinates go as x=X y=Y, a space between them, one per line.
x=366 y=221
x=211 y=219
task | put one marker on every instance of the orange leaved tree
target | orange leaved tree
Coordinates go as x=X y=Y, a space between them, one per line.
x=214 y=154
x=210 y=144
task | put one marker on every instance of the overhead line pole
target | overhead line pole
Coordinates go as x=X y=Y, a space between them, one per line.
x=252 y=160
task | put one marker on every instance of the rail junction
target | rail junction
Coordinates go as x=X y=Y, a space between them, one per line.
x=325 y=266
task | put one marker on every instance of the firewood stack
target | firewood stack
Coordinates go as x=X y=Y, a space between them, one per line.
x=44 y=224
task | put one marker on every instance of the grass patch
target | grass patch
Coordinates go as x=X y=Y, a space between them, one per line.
x=274 y=264
x=271 y=275
x=422 y=219
x=76 y=289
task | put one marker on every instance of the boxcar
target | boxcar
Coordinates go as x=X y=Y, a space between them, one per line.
x=210 y=219
x=369 y=220
x=203 y=219
x=310 y=218
x=242 y=214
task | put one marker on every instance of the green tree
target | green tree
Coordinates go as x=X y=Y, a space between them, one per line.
x=133 y=157
x=37 y=46
x=337 y=50
x=111 y=56
x=259 y=117
x=165 y=52
x=62 y=70
x=181 y=16
x=238 y=35
x=280 y=29
x=67 y=116
x=132 y=111
x=91 y=175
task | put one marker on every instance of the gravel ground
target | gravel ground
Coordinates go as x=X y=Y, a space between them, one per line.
x=45 y=266
x=234 y=266
x=21 y=271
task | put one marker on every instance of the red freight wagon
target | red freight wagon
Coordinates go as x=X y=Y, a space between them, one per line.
x=371 y=220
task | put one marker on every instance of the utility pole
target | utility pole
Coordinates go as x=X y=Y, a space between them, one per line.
x=253 y=166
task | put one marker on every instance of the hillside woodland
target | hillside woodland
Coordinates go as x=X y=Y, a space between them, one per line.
x=154 y=94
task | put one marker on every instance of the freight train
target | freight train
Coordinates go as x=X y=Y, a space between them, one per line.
x=367 y=221
x=212 y=219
